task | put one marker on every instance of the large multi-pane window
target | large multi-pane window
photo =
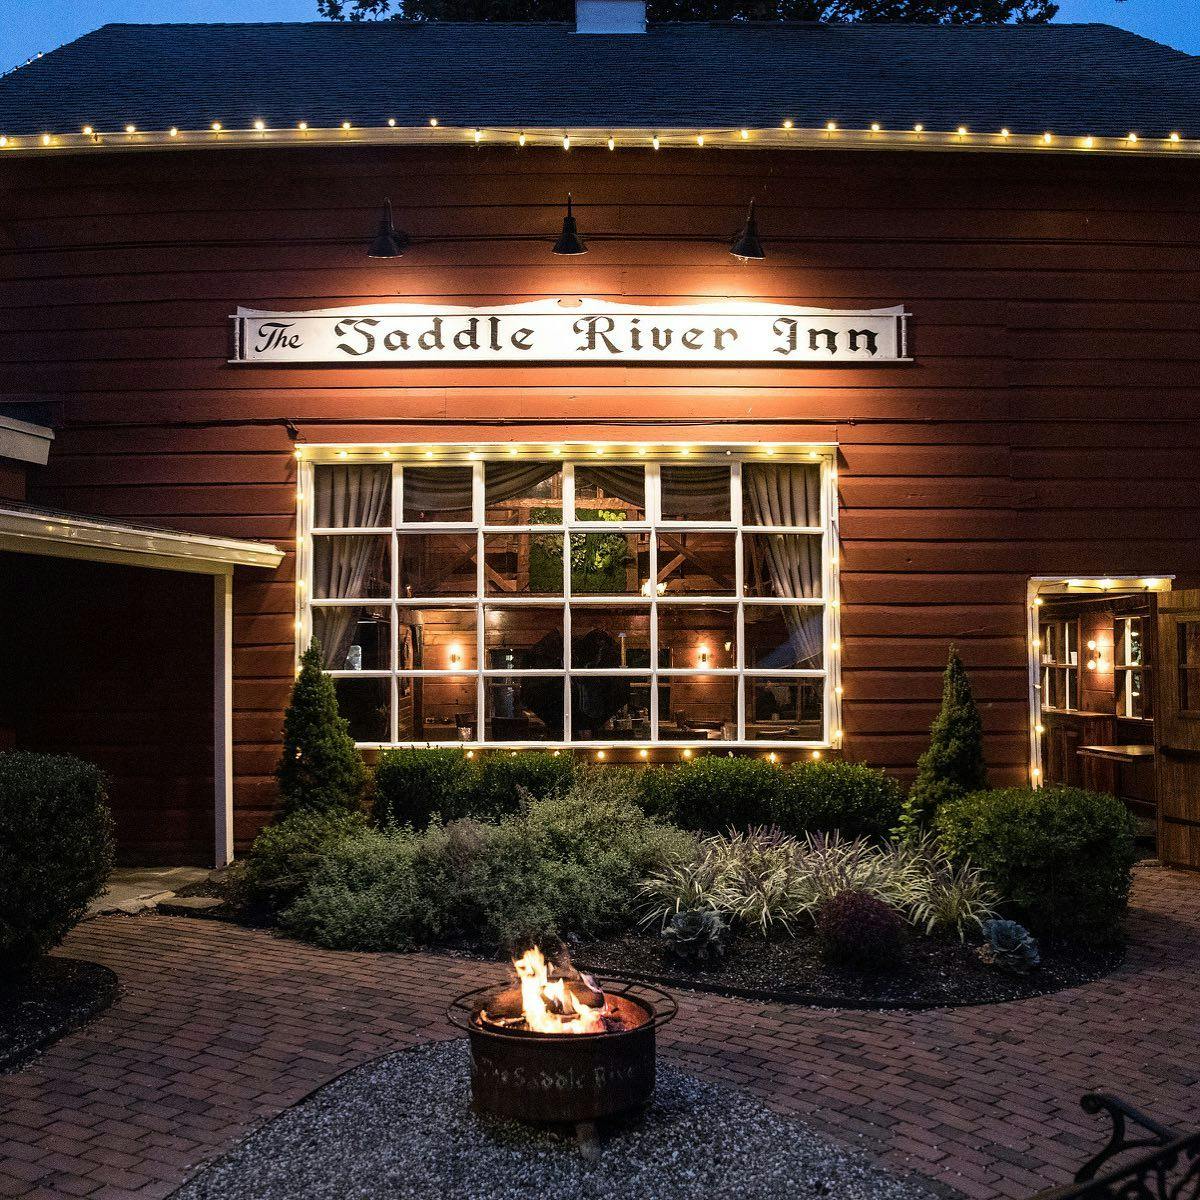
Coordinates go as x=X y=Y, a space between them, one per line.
x=573 y=596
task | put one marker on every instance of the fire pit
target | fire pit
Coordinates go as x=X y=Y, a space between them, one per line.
x=559 y=1047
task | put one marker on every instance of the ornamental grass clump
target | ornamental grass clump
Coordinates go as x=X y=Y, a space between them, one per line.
x=762 y=880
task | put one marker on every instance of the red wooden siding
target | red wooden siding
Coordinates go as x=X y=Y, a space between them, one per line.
x=1047 y=426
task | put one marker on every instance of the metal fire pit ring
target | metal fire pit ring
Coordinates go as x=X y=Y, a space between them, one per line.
x=574 y=1078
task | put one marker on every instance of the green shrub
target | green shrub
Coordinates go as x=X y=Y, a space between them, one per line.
x=568 y=864
x=710 y=794
x=953 y=765
x=854 y=799
x=363 y=895
x=56 y=851
x=319 y=769
x=412 y=786
x=1059 y=857
x=285 y=855
x=503 y=778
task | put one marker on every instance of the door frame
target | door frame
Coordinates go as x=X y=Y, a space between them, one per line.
x=1042 y=587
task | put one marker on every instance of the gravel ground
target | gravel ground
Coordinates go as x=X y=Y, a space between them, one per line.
x=400 y=1127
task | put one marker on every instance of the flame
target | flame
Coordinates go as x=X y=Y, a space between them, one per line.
x=546 y=1003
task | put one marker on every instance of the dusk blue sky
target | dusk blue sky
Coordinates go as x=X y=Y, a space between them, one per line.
x=42 y=27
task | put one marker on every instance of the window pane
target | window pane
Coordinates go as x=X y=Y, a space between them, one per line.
x=365 y=704
x=525 y=709
x=437 y=564
x=701 y=708
x=437 y=494
x=352 y=566
x=523 y=564
x=697 y=563
x=524 y=638
x=784 y=636
x=605 y=709
x=436 y=709
x=781 y=494
x=696 y=636
x=612 y=493
x=784 y=710
x=355 y=638
x=609 y=564
x=603 y=637
x=353 y=496
x=786 y=565
x=523 y=493
x=435 y=639
x=694 y=493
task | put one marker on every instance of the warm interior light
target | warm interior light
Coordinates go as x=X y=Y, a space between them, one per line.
x=816 y=754
x=643 y=753
x=687 y=753
x=456 y=655
x=773 y=757
x=600 y=754
x=702 y=656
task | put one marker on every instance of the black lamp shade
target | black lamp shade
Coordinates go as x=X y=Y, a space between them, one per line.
x=388 y=242
x=746 y=245
x=569 y=241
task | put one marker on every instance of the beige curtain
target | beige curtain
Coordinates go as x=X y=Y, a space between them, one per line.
x=790 y=494
x=346 y=497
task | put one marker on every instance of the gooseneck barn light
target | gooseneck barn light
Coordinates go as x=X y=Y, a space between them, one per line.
x=389 y=242
x=569 y=241
x=746 y=245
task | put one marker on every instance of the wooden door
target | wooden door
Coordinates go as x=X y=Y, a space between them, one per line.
x=1177 y=728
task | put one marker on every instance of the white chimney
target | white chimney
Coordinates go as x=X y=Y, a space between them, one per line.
x=610 y=16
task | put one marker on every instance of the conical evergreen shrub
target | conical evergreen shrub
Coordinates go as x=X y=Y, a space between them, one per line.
x=319 y=769
x=953 y=765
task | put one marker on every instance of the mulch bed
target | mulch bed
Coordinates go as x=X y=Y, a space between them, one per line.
x=57 y=996
x=932 y=974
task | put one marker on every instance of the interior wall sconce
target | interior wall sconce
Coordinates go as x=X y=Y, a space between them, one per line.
x=1096 y=662
x=702 y=656
x=456 y=655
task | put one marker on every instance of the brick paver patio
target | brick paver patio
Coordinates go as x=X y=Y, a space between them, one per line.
x=220 y=1028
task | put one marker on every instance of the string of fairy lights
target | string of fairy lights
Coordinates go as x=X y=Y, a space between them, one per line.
x=786 y=134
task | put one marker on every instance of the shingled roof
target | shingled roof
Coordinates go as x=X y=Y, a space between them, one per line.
x=1078 y=78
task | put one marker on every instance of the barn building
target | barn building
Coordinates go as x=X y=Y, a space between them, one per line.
x=635 y=391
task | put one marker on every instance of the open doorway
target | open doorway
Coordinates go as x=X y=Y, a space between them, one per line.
x=1109 y=694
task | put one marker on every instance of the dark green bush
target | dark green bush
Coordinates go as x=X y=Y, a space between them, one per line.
x=1060 y=857
x=568 y=864
x=710 y=794
x=819 y=797
x=56 y=851
x=319 y=769
x=412 y=786
x=285 y=855
x=503 y=777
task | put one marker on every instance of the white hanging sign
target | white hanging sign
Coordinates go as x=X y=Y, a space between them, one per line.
x=584 y=331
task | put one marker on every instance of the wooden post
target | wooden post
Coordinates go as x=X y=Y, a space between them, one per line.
x=223 y=717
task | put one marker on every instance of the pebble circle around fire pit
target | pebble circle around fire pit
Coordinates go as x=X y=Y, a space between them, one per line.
x=401 y=1127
